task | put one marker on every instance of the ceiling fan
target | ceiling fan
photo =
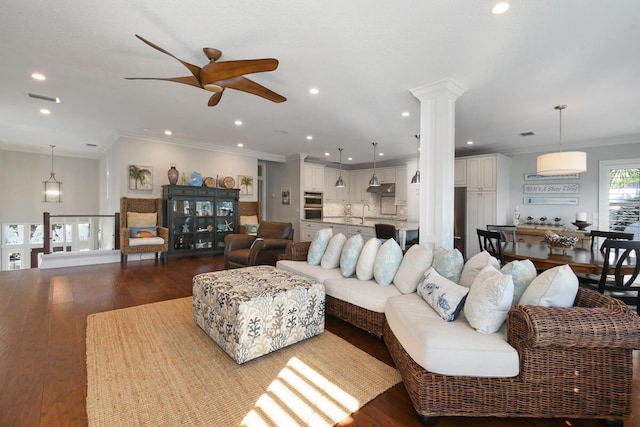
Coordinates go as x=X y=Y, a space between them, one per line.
x=218 y=76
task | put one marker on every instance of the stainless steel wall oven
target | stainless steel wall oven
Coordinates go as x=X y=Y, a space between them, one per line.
x=312 y=205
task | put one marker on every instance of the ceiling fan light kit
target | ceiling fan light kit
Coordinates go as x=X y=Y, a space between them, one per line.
x=561 y=162
x=217 y=76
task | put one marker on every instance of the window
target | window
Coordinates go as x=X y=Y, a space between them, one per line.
x=620 y=196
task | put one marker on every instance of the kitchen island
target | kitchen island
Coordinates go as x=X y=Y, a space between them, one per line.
x=350 y=226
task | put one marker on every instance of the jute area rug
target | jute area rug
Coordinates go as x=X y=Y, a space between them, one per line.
x=151 y=365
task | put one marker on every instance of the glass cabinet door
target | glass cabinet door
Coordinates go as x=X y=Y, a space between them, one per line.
x=183 y=227
x=225 y=220
x=204 y=224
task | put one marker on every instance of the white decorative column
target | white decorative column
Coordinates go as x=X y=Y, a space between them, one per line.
x=437 y=160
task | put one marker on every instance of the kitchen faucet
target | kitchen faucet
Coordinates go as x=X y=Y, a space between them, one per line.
x=368 y=208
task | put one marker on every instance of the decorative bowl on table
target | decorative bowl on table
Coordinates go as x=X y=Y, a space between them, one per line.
x=581 y=225
x=559 y=241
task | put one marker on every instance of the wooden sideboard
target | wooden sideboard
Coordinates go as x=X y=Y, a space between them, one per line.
x=535 y=234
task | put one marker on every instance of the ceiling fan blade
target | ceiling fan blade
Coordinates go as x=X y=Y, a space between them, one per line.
x=212 y=54
x=215 y=98
x=245 y=85
x=194 y=69
x=188 y=80
x=217 y=71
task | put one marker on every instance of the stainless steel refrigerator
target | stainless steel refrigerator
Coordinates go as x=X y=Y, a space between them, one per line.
x=460 y=218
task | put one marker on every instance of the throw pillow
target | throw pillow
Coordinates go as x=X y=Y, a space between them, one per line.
x=137 y=219
x=319 y=245
x=248 y=219
x=445 y=297
x=448 y=263
x=142 y=232
x=556 y=287
x=522 y=273
x=387 y=261
x=252 y=229
x=414 y=263
x=350 y=254
x=364 y=268
x=489 y=300
x=474 y=265
x=331 y=257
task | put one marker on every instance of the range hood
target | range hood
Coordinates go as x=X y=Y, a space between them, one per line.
x=382 y=189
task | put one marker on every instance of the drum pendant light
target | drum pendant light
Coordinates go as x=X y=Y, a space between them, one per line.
x=562 y=162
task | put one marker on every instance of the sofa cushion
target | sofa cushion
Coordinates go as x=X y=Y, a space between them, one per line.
x=448 y=263
x=445 y=297
x=143 y=241
x=364 y=268
x=448 y=348
x=140 y=219
x=489 y=300
x=474 y=266
x=318 y=246
x=311 y=271
x=522 y=272
x=556 y=287
x=367 y=294
x=387 y=262
x=350 y=254
x=414 y=263
x=331 y=257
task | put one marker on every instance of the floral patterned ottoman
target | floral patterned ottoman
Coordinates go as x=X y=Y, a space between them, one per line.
x=253 y=311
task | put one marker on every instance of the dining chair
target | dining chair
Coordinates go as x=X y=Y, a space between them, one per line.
x=597 y=236
x=508 y=232
x=491 y=241
x=385 y=232
x=618 y=254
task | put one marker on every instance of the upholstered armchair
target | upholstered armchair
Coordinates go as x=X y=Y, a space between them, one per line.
x=249 y=213
x=264 y=248
x=141 y=228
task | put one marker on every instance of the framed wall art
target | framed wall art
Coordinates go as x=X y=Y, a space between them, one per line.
x=550 y=200
x=537 y=177
x=140 y=177
x=286 y=196
x=552 y=188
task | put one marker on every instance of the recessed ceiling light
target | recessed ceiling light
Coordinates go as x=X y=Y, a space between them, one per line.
x=238 y=122
x=469 y=142
x=314 y=91
x=240 y=144
x=380 y=154
x=500 y=8
x=45 y=111
x=405 y=114
x=38 y=76
x=309 y=137
x=349 y=158
x=327 y=154
x=168 y=132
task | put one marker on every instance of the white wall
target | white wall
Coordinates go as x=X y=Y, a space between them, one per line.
x=279 y=176
x=588 y=181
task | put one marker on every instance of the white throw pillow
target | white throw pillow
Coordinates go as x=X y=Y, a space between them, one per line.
x=387 y=261
x=445 y=297
x=364 y=268
x=474 y=266
x=414 y=263
x=350 y=254
x=522 y=272
x=556 y=287
x=489 y=300
x=319 y=245
x=448 y=263
x=331 y=257
x=248 y=219
x=139 y=219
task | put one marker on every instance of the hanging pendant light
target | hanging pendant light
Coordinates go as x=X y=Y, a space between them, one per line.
x=416 y=177
x=340 y=182
x=373 y=182
x=562 y=162
x=52 y=187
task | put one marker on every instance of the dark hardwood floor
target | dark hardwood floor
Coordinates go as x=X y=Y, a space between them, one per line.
x=42 y=343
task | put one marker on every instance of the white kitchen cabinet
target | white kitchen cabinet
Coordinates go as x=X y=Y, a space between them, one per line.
x=337 y=228
x=308 y=229
x=313 y=177
x=402 y=182
x=487 y=196
x=460 y=177
x=385 y=175
x=357 y=190
x=331 y=192
x=366 y=232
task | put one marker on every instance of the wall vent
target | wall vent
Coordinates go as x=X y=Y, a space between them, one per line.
x=527 y=133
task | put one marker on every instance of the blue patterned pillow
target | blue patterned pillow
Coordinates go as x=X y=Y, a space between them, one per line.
x=522 y=272
x=350 y=254
x=387 y=261
x=141 y=232
x=445 y=297
x=319 y=245
x=448 y=263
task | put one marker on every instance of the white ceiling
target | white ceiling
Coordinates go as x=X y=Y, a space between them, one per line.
x=363 y=55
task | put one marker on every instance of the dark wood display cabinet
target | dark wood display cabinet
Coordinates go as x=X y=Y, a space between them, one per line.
x=199 y=218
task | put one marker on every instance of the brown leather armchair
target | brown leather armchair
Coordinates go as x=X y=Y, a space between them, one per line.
x=243 y=250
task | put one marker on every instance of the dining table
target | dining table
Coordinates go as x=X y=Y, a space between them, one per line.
x=581 y=260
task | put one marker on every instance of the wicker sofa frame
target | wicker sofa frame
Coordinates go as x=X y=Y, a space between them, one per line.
x=575 y=362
